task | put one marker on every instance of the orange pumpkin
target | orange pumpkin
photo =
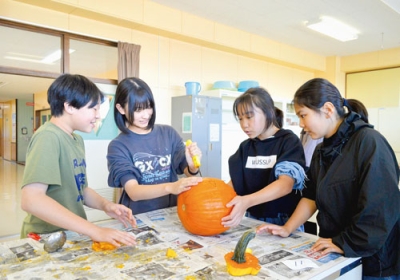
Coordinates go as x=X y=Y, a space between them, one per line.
x=201 y=208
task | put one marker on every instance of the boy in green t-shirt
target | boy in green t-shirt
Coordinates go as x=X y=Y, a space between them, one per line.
x=54 y=187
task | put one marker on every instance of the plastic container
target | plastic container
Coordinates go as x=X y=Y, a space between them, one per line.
x=192 y=88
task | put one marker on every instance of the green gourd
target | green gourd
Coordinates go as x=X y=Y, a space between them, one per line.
x=240 y=249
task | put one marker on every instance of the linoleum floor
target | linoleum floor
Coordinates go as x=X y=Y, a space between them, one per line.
x=11 y=214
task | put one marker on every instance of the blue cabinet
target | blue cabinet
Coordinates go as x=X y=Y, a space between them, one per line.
x=199 y=118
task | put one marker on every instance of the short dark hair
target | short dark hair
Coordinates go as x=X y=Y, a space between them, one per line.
x=260 y=98
x=135 y=93
x=76 y=90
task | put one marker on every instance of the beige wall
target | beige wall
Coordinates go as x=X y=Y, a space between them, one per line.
x=150 y=17
x=177 y=47
x=167 y=63
x=1 y=129
x=377 y=89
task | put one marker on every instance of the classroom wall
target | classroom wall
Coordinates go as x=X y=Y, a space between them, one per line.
x=177 y=47
x=379 y=90
x=1 y=129
x=385 y=58
x=160 y=29
x=150 y=17
x=167 y=63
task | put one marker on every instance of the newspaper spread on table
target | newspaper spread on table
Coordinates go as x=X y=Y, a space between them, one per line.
x=199 y=257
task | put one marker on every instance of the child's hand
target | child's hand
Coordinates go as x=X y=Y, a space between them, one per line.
x=193 y=154
x=182 y=185
x=113 y=236
x=273 y=229
x=239 y=207
x=326 y=246
x=121 y=213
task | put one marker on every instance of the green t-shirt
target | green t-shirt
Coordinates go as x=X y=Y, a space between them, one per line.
x=56 y=159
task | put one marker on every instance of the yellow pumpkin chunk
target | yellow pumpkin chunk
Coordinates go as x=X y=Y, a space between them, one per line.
x=171 y=253
x=102 y=246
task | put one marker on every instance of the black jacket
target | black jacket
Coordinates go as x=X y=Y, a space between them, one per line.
x=246 y=179
x=354 y=179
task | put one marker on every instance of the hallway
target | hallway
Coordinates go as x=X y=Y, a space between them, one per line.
x=11 y=215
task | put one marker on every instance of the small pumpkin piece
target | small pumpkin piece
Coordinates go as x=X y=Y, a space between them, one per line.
x=171 y=254
x=102 y=246
x=240 y=262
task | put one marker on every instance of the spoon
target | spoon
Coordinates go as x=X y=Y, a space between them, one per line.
x=55 y=241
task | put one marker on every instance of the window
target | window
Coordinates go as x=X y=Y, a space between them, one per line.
x=93 y=60
x=41 y=52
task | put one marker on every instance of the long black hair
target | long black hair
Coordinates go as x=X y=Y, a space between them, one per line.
x=316 y=92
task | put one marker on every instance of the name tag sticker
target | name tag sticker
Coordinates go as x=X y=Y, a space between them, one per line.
x=261 y=162
x=299 y=264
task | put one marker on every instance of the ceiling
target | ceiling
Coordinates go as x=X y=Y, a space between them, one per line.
x=284 y=21
x=279 y=20
x=21 y=87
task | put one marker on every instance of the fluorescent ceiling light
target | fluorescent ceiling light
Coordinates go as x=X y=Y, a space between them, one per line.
x=335 y=29
x=50 y=59
x=22 y=59
x=394 y=4
x=54 y=56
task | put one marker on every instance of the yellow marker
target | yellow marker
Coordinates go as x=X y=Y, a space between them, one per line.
x=195 y=159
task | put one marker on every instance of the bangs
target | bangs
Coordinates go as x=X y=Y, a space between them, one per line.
x=243 y=105
x=96 y=100
x=139 y=106
x=245 y=110
x=141 y=101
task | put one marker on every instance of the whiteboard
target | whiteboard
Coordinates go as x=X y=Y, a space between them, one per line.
x=387 y=122
x=389 y=126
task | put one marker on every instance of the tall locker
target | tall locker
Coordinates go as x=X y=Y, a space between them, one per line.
x=199 y=118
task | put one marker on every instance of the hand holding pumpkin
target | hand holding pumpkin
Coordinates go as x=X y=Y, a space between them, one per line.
x=182 y=185
x=239 y=204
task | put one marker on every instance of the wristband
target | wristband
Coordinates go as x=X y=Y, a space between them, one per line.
x=190 y=172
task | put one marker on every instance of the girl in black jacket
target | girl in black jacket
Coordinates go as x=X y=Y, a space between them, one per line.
x=353 y=182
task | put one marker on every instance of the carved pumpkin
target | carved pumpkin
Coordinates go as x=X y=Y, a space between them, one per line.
x=201 y=208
